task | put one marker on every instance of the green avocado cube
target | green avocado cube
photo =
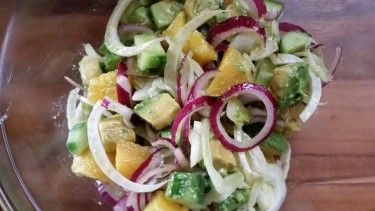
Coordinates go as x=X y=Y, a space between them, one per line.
x=153 y=57
x=159 y=110
x=164 y=12
x=187 y=188
x=290 y=84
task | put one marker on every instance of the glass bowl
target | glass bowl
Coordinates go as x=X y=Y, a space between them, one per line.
x=44 y=42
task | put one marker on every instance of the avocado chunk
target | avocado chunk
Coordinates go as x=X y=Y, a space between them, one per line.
x=222 y=157
x=275 y=144
x=153 y=57
x=290 y=84
x=159 y=110
x=293 y=42
x=265 y=71
x=187 y=188
x=237 y=199
x=164 y=12
x=111 y=60
x=77 y=141
x=113 y=131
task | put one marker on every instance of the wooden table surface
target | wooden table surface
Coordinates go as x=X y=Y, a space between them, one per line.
x=333 y=164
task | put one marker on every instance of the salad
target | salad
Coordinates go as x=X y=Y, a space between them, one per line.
x=187 y=105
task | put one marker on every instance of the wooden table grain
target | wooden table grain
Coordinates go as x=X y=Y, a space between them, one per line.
x=333 y=157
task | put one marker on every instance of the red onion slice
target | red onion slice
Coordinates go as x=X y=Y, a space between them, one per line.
x=289 y=27
x=110 y=194
x=232 y=26
x=153 y=160
x=187 y=111
x=201 y=84
x=257 y=8
x=179 y=155
x=249 y=90
x=123 y=87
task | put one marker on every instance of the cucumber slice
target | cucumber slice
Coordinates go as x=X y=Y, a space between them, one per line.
x=164 y=12
x=293 y=42
x=77 y=139
x=151 y=59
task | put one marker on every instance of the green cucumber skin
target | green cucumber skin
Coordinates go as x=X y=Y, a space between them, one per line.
x=77 y=141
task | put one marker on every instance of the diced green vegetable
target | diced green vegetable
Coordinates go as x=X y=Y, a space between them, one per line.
x=77 y=139
x=237 y=199
x=159 y=110
x=141 y=16
x=164 y=12
x=290 y=83
x=277 y=143
x=111 y=60
x=128 y=14
x=166 y=133
x=187 y=188
x=293 y=42
x=151 y=59
x=265 y=71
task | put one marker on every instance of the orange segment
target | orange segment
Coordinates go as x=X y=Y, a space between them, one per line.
x=104 y=85
x=233 y=69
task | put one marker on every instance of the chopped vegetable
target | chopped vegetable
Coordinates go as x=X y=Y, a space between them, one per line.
x=129 y=156
x=233 y=70
x=111 y=60
x=101 y=86
x=290 y=84
x=77 y=141
x=265 y=69
x=236 y=200
x=275 y=144
x=85 y=165
x=164 y=12
x=113 y=131
x=159 y=110
x=151 y=59
x=294 y=42
x=187 y=188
